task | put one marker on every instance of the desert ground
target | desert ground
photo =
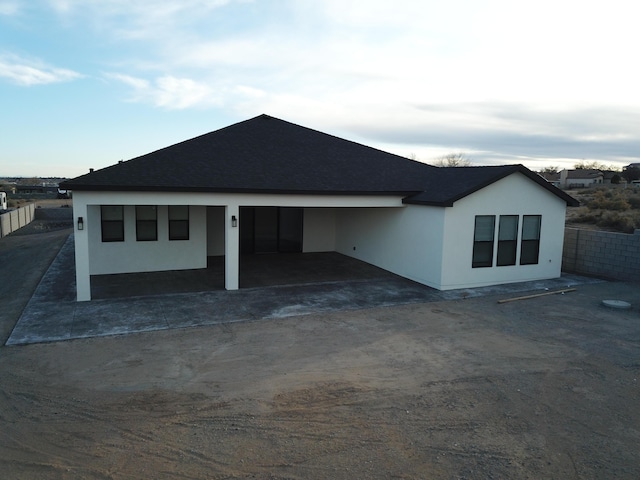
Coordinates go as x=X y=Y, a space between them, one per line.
x=464 y=389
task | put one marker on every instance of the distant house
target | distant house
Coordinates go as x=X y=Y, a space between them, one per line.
x=552 y=178
x=269 y=186
x=580 y=178
x=631 y=172
x=36 y=189
x=610 y=177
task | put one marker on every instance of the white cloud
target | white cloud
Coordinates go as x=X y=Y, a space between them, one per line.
x=140 y=19
x=404 y=51
x=9 y=7
x=62 y=6
x=136 y=83
x=29 y=72
x=472 y=74
x=172 y=92
x=147 y=8
x=169 y=92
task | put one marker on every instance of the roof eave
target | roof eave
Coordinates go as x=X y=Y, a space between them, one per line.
x=178 y=189
x=428 y=203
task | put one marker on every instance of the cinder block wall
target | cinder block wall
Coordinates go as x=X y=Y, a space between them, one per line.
x=603 y=254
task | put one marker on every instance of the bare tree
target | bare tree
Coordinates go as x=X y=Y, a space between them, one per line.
x=550 y=169
x=594 y=165
x=29 y=181
x=453 y=160
x=631 y=173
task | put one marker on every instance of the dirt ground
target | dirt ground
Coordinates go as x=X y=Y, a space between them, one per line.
x=541 y=388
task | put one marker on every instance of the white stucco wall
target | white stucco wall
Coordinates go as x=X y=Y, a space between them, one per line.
x=319 y=230
x=134 y=256
x=406 y=241
x=513 y=195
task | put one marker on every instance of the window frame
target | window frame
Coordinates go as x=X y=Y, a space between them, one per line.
x=112 y=229
x=528 y=245
x=174 y=223
x=146 y=228
x=480 y=246
x=507 y=248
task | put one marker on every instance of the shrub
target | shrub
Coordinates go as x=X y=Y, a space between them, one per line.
x=614 y=209
x=608 y=201
x=618 y=222
x=634 y=201
x=587 y=218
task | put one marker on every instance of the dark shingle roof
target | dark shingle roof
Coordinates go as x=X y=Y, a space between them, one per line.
x=584 y=173
x=268 y=155
x=453 y=183
x=263 y=154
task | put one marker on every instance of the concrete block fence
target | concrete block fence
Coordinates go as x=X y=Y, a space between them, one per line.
x=12 y=220
x=603 y=254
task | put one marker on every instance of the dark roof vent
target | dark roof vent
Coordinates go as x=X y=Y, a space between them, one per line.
x=91 y=170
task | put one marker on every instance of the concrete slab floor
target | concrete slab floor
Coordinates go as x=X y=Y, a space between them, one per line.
x=274 y=286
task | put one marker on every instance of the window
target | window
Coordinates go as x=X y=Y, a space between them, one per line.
x=483 y=241
x=507 y=240
x=112 y=220
x=530 y=246
x=146 y=223
x=178 y=222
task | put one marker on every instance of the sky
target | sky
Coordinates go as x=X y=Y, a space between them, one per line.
x=86 y=83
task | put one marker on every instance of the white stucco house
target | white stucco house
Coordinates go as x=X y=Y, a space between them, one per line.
x=267 y=185
x=581 y=178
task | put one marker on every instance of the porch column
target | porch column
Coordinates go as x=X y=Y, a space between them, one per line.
x=81 y=241
x=232 y=247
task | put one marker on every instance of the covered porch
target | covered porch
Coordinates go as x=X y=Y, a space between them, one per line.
x=256 y=271
x=284 y=245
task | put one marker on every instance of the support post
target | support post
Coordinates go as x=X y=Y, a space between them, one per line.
x=81 y=241
x=232 y=248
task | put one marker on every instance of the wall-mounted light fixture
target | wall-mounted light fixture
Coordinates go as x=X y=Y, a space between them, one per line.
x=80 y=223
x=234 y=221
